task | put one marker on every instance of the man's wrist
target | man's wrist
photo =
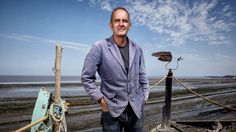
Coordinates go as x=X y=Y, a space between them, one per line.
x=100 y=99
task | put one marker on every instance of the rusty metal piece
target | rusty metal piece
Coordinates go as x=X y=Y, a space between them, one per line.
x=163 y=56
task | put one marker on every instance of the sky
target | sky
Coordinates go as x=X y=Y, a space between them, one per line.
x=202 y=32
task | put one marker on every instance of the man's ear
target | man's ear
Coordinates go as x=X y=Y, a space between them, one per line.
x=129 y=26
x=110 y=25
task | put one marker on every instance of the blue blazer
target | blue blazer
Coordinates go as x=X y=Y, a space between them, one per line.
x=117 y=87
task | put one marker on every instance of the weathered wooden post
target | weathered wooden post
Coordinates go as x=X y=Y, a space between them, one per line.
x=166 y=115
x=58 y=74
x=58 y=100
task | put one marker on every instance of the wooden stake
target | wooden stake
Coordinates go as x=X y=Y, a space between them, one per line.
x=58 y=74
x=56 y=127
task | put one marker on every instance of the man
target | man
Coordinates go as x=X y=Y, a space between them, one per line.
x=124 y=86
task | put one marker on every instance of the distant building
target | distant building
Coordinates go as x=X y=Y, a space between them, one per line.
x=230 y=76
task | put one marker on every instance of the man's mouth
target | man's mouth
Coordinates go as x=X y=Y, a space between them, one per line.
x=120 y=29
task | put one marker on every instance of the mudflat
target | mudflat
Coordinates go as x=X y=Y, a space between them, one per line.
x=17 y=104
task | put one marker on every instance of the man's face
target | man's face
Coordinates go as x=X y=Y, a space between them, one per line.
x=120 y=24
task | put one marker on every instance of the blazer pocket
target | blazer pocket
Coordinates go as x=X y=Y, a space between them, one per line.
x=110 y=95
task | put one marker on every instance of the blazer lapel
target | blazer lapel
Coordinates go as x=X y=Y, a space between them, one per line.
x=116 y=53
x=132 y=51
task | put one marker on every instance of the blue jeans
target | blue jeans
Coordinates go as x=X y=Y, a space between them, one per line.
x=127 y=121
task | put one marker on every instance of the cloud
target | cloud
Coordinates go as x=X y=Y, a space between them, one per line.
x=184 y=22
x=30 y=38
x=181 y=21
x=104 y=4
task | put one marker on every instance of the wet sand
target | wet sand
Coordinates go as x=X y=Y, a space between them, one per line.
x=16 y=104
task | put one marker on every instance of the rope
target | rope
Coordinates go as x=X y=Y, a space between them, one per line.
x=52 y=115
x=59 y=119
x=158 y=82
x=208 y=100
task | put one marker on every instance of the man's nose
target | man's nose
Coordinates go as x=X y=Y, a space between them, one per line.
x=121 y=23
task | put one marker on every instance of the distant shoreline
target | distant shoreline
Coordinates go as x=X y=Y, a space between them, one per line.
x=70 y=80
x=36 y=84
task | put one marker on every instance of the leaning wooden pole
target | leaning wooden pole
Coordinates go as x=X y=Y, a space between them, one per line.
x=58 y=74
x=23 y=129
